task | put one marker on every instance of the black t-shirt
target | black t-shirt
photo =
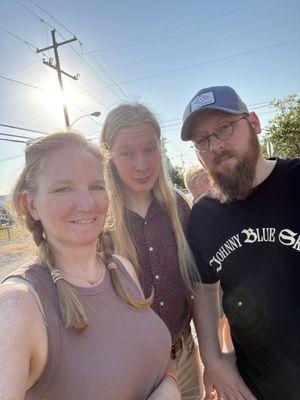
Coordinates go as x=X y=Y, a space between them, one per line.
x=253 y=247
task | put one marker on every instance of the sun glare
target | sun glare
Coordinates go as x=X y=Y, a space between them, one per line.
x=52 y=99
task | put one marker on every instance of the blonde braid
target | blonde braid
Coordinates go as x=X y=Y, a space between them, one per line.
x=72 y=309
x=106 y=256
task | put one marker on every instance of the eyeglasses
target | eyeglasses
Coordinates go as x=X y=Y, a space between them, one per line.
x=223 y=131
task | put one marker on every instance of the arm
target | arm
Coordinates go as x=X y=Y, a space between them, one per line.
x=219 y=368
x=22 y=329
x=167 y=390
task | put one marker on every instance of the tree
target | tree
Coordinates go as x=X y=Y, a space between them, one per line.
x=175 y=173
x=284 y=129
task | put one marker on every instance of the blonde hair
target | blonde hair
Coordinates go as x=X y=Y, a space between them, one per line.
x=191 y=174
x=72 y=309
x=127 y=115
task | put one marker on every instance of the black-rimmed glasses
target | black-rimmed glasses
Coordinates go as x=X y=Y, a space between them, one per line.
x=223 y=131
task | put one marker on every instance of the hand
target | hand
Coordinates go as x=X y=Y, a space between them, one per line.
x=210 y=392
x=167 y=390
x=222 y=380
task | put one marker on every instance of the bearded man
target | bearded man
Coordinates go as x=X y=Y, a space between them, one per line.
x=245 y=235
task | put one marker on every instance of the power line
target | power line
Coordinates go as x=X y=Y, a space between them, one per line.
x=21 y=83
x=36 y=87
x=164 y=124
x=91 y=95
x=12 y=157
x=23 y=67
x=206 y=62
x=18 y=37
x=12 y=140
x=88 y=116
x=47 y=39
x=57 y=68
x=44 y=11
x=110 y=77
x=98 y=63
x=135 y=41
x=85 y=90
x=267 y=112
x=95 y=72
x=23 y=40
x=64 y=27
x=198 y=30
x=39 y=88
x=23 y=129
x=184 y=49
x=16 y=136
x=250 y=107
x=34 y=14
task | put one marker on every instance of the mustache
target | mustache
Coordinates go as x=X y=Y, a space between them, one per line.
x=223 y=153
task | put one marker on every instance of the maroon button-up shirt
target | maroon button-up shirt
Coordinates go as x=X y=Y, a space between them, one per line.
x=157 y=251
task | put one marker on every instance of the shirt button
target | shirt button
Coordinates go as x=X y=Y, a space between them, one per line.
x=145 y=222
x=161 y=303
x=151 y=248
x=156 y=276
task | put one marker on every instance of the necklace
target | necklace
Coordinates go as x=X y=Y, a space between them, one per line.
x=89 y=281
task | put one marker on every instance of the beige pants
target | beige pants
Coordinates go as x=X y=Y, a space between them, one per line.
x=188 y=370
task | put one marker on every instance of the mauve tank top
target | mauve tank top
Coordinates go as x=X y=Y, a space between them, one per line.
x=121 y=356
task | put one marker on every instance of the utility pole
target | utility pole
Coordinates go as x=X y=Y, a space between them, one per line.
x=56 y=66
x=182 y=161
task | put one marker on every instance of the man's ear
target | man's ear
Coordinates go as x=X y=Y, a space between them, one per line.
x=255 y=122
x=29 y=203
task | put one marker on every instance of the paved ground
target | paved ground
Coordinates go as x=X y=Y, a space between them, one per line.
x=14 y=253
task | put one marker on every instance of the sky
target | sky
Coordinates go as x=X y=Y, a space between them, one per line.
x=158 y=52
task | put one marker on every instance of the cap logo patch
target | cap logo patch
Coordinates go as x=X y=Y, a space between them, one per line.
x=202 y=100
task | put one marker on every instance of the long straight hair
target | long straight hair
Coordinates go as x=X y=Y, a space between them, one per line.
x=72 y=309
x=127 y=115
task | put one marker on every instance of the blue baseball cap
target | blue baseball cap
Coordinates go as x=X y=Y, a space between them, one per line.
x=222 y=98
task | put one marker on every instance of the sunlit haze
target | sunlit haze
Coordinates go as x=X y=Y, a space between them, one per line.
x=160 y=53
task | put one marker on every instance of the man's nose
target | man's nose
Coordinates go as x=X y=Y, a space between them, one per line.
x=214 y=143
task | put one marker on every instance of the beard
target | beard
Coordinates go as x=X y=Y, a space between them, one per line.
x=235 y=183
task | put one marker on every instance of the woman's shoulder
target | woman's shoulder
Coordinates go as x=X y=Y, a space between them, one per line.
x=18 y=306
x=23 y=336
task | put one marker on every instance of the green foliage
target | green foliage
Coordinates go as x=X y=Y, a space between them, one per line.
x=176 y=175
x=284 y=129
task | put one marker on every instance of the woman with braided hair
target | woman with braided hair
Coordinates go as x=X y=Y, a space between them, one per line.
x=74 y=323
